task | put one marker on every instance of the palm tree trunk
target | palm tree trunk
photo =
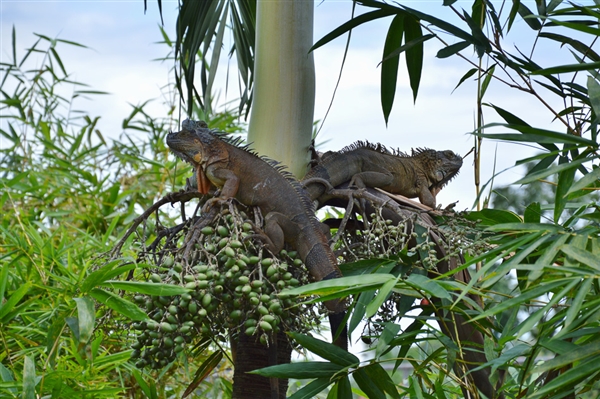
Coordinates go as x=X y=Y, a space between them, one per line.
x=283 y=101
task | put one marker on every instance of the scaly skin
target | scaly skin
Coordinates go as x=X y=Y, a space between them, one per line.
x=253 y=181
x=422 y=174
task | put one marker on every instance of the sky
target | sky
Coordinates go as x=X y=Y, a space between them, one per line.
x=123 y=49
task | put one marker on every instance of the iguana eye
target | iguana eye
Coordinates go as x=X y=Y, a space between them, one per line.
x=198 y=157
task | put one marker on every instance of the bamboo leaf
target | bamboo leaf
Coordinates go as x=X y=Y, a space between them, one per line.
x=367 y=385
x=118 y=304
x=486 y=81
x=328 y=286
x=575 y=306
x=381 y=296
x=568 y=68
x=594 y=95
x=389 y=66
x=29 y=378
x=106 y=272
x=13 y=299
x=588 y=180
x=204 y=371
x=569 y=379
x=466 y=76
x=86 y=316
x=533 y=213
x=384 y=381
x=581 y=255
x=360 y=308
x=353 y=23
x=146 y=288
x=325 y=350
x=535 y=135
x=431 y=287
x=442 y=25
x=565 y=180
x=301 y=370
x=520 y=299
x=311 y=390
x=387 y=335
x=528 y=17
x=414 y=52
x=453 y=49
x=552 y=170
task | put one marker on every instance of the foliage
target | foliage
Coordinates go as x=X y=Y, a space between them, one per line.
x=543 y=339
x=67 y=193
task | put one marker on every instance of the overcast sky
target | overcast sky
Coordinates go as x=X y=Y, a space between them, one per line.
x=122 y=49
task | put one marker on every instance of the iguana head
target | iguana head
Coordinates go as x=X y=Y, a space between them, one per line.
x=192 y=144
x=440 y=166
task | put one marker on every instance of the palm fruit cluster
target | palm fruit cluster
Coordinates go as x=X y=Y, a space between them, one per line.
x=381 y=238
x=233 y=288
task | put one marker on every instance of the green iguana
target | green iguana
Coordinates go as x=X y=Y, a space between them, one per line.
x=422 y=174
x=254 y=181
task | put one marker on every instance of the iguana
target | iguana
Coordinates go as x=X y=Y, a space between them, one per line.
x=422 y=174
x=255 y=181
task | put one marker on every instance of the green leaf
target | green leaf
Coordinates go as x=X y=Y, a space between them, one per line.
x=325 y=350
x=575 y=306
x=29 y=378
x=157 y=289
x=12 y=301
x=377 y=373
x=586 y=181
x=334 y=285
x=204 y=370
x=301 y=370
x=553 y=170
x=431 y=287
x=344 y=388
x=528 y=17
x=581 y=255
x=389 y=66
x=390 y=330
x=594 y=95
x=118 y=304
x=490 y=217
x=382 y=294
x=364 y=298
x=567 y=380
x=442 y=25
x=353 y=23
x=453 y=49
x=533 y=213
x=568 y=68
x=523 y=227
x=576 y=44
x=311 y=390
x=466 y=76
x=519 y=300
x=535 y=135
x=414 y=52
x=106 y=272
x=565 y=180
x=572 y=356
x=486 y=81
x=367 y=385
x=86 y=315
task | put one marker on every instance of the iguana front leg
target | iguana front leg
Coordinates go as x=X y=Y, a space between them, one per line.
x=224 y=178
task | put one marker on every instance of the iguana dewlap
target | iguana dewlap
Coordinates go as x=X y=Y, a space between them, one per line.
x=254 y=181
x=419 y=175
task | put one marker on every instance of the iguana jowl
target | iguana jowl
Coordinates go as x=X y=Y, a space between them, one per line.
x=253 y=181
x=422 y=174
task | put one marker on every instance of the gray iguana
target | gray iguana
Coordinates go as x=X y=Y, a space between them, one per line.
x=254 y=181
x=422 y=174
